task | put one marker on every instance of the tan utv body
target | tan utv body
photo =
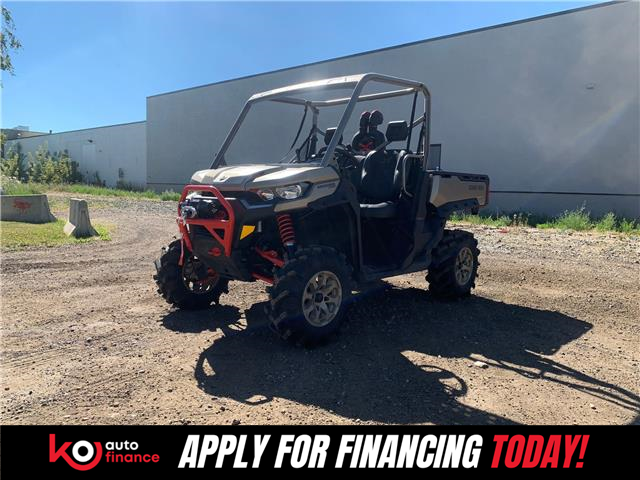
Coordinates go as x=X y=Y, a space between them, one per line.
x=328 y=220
x=446 y=187
x=322 y=181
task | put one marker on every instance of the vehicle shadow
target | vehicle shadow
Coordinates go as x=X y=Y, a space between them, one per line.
x=379 y=367
x=194 y=321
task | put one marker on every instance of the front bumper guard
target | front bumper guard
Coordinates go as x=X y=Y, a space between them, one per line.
x=220 y=229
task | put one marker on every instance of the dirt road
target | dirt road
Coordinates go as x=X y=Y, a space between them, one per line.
x=555 y=322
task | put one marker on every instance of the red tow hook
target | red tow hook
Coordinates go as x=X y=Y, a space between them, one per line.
x=271 y=256
x=184 y=239
x=257 y=276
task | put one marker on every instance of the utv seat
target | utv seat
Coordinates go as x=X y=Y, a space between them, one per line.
x=378 y=210
x=368 y=137
x=378 y=185
x=381 y=181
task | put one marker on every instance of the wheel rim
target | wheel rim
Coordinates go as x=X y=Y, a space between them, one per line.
x=322 y=298
x=193 y=281
x=464 y=266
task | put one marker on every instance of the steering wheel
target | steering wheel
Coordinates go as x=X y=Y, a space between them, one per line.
x=345 y=157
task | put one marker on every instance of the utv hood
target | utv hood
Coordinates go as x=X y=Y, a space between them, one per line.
x=245 y=177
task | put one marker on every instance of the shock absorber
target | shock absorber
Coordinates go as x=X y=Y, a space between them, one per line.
x=287 y=232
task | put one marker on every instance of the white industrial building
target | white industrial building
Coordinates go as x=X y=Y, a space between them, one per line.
x=115 y=152
x=548 y=107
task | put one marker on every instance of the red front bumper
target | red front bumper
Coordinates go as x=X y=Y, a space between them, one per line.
x=221 y=230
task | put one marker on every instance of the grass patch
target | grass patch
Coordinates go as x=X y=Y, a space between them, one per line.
x=575 y=220
x=167 y=195
x=628 y=226
x=493 y=221
x=516 y=220
x=578 y=220
x=170 y=196
x=14 y=187
x=606 y=223
x=17 y=235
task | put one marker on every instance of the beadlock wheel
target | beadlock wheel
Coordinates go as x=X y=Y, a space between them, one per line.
x=309 y=298
x=322 y=298
x=192 y=279
x=464 y=266
x=454 y=265
x=189 y=286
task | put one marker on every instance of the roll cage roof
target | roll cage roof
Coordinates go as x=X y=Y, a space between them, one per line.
x=289 y=94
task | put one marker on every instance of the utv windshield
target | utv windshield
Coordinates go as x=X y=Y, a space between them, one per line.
x=305 y=123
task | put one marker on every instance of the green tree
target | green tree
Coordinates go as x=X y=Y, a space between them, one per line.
x=8 y=41
x=12 y=164
x=38 y=164
x=56 y=168
x=3 y=140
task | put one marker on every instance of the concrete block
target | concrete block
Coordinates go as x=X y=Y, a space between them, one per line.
x=79 y=224
x=25 y=208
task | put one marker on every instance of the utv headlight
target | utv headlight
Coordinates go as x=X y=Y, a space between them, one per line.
x=266 y=194
x=290 y=192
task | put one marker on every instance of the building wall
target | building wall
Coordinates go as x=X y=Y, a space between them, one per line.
x=105 y=150
x=548 y=107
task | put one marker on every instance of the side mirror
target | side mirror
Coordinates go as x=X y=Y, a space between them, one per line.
x=397 y=131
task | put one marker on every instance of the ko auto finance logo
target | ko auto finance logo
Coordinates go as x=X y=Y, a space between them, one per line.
x=83 y=455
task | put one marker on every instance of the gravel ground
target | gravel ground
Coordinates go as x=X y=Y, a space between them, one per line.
x=550 y=336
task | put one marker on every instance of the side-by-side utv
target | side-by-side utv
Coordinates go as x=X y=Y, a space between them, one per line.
x=326 y=219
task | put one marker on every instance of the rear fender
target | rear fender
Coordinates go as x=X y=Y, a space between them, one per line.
x=451 y=187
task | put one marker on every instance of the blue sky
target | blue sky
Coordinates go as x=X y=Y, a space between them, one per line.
x=87 y=64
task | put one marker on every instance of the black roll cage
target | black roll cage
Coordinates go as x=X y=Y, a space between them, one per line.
x=357 y=82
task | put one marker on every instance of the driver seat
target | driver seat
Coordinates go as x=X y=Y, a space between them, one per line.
x=378 y=210
x=380 y=185
x=381 y=182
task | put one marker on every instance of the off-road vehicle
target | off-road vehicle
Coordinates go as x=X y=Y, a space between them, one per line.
x=323 y=222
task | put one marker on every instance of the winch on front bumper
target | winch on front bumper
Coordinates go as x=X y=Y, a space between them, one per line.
x=223 y=232
x=219 y=220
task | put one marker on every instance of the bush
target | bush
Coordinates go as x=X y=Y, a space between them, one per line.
x=170 y=195
x=56 y=168
x=44 y=172
x=13 y=165
x=628 y=226
x=606 y=223
x=12 y=186
x=574 y=220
